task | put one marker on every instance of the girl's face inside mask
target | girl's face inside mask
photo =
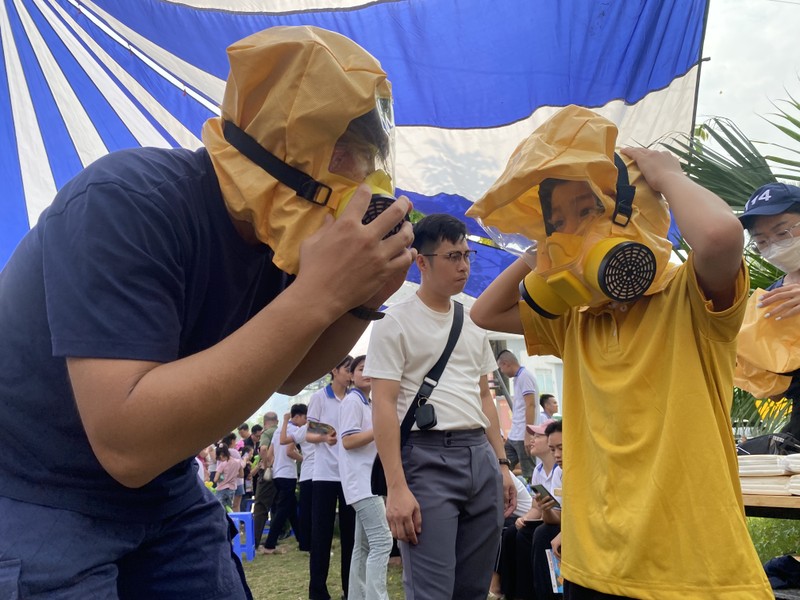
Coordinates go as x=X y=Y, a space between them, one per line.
x=572 y=206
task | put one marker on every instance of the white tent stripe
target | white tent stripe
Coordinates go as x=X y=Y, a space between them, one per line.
x=88 y=143
x=211 y=86
x=37 y=179
x=476 y=157
x=140 y=127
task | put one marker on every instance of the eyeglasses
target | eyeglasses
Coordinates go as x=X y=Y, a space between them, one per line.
x=781 y=239
x=457 y=256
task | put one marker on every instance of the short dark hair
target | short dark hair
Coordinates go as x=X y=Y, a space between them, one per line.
x=544 y=398
x=256 y=429
x=355 y=362
x=435 y=228
x=505 y=351
x=552 y=428
x=299 y=409
x=243 y=426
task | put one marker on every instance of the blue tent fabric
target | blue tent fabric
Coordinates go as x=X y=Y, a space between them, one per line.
x=82 y=78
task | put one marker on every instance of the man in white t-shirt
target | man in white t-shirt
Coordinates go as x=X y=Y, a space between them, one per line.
x=523 y=410
x=447 y=492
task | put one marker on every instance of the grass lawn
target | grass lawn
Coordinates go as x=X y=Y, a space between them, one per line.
x=285 y=576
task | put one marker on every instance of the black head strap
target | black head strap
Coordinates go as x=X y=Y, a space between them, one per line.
x=306 y=186
x=623 y=208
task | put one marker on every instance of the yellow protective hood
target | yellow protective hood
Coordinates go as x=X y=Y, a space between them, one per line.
x=294 y=90
x=765 y=349
x=575 y=144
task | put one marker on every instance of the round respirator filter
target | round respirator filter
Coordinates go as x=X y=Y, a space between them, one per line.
x=377 y=205
x=627 y=271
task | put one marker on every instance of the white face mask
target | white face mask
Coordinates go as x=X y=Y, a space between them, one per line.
x=787 y=259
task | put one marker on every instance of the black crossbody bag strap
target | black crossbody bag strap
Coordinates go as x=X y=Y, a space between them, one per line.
x=431 y=380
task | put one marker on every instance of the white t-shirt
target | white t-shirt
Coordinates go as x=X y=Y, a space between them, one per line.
x=298 y=434
x=355 y=466
x=524 y=498
x=283 y=465
x=323 y=407
x=524 y=383
x=407 y=343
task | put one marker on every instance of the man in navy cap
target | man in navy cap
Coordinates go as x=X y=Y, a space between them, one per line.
x=772 y=218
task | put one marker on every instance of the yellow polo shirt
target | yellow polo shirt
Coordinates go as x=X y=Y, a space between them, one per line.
x=651 y=496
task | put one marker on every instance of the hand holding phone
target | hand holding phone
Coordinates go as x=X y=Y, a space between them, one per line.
x=545 y=494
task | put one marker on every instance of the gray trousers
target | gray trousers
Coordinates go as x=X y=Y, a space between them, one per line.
x=455 y=477
x=516 y=454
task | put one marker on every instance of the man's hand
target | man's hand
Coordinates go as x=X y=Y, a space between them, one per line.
x=351 y=261
x=403 y=514
x=555 y=544
x=782 y=302
x=544 y=502
x=509 y=492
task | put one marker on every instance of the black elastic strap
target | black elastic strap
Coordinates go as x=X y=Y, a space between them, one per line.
x=306 y=186
x=431 y=380
x=623 y=208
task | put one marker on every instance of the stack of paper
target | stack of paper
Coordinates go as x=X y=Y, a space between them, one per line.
x=767 y=486
x=792 y=462
x=762 y=465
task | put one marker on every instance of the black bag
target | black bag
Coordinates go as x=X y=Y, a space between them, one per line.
x=772 y=443
x=429 y=382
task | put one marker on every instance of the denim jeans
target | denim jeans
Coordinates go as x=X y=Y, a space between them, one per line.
x=225 y=498
x=373 y=543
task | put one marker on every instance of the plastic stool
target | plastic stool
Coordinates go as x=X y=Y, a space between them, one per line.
x=248 y=546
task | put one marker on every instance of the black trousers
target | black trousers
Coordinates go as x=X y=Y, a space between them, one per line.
x=323 y=514
x=285 y=509
x=516 y=566
x=542 y=585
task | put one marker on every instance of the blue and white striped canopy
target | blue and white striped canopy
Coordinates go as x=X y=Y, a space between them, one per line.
x=471 y=79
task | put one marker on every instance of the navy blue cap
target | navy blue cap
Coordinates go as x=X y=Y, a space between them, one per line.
x=770 y=199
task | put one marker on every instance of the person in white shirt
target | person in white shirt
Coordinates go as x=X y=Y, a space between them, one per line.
x=523 y=412
x=449 y=486
x=373 y=540
x=297 y=436
x=323 y=409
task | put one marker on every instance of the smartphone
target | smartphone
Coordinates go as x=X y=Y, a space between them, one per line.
x=541 y=490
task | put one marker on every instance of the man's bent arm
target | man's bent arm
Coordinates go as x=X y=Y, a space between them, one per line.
x=205 y=395
x=496 y=441
x=497 y=308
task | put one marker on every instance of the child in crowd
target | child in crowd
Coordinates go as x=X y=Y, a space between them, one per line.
x=227 y=471
x=373 y=540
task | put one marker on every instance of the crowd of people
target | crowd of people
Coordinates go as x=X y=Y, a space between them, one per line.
x=165 y=293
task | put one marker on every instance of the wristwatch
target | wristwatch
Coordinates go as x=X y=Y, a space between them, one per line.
x=504 y=461
x=366 y=314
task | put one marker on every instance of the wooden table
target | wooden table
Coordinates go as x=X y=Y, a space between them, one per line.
x=775 y=507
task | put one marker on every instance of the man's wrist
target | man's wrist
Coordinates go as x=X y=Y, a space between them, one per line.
x=504 y=462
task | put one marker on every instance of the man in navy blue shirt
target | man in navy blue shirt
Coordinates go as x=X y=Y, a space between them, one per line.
x=163 y=296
